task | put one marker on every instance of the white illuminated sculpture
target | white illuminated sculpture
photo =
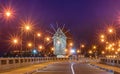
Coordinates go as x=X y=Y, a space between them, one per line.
x=59 y=42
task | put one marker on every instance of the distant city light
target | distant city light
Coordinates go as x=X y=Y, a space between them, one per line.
x=47 y=39
x=38 y=34
x=29 y=44
x=72 y=51
x=8 y=12
x=71 y=44
x=82 y=45
x=34 y=51
x=15 y=41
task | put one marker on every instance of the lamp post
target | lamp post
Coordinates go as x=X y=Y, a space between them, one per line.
x=25 y=28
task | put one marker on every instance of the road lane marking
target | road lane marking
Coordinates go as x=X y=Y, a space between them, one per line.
x=72 y=68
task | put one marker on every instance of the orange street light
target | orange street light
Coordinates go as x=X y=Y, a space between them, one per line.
x=110 y=30
x=90 y=52
x=38 y=34
x=66 y=50
x=94 y=47
x=29 y=44
x=47 y=39
x=8 y=14
x=71 y=44
x=78 y=51
x=82 y=45
x=116 y=52
x=15 y=41
x=102 y=36
x=118 y=49
x=27 y=27
x=113 y=49
x=102 y=40
x=52 y=49
x=103 y=52
x=40 y=47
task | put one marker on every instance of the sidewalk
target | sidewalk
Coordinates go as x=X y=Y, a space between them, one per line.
x=113 y=68
x=26 y=69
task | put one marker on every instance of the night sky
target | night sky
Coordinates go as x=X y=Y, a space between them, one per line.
x=82 y=17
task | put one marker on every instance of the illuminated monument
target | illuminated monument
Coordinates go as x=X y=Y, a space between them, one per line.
x=59 y=42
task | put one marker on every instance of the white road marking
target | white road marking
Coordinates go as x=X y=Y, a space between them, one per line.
x=72 y=68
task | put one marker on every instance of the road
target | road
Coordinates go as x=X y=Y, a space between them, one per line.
x=71 y=68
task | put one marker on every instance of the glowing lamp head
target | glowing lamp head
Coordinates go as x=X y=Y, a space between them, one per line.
x=48 y=39
x=52 y=49
x=38 y=34
x=78 y=51
x=40 y=47
x=110 y=30
x=116 y=52
x=102 y=40
x=103 y=52
x=82 y=46
x=27 y=27
x=113 y=49
x=102 y=36
x=94 y=47
x=90 y=52
x=15 y=41
x=66 y=50
x=71 y=44
x=29 y=44
x=72 y=51
x=8 y=14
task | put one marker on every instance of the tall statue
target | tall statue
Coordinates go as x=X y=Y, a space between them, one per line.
x=59 y=42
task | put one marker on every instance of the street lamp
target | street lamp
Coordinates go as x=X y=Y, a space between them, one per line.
x=94 y=47
x=66 y=50
x=102 y=36
x=78 y=51
x=15 y=41
x=71 y=44
x=103 y=52
x=82 y=46
x=8 y=12
x=90 y=52
x=47 y=39
x=40 y=47
x=110 y=30
x=29 y=44
x=38 y=34
x=52 y=49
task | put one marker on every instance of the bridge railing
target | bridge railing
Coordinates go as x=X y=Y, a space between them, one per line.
x=9 y=63
x=111 y=61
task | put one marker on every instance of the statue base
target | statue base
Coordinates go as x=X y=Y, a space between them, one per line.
x=61 y=56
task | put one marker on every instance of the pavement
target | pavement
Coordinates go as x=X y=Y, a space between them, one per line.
x=108 y=67
x=27 y=69
x=71 y=68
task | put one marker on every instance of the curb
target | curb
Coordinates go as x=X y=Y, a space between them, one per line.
x=108 y=70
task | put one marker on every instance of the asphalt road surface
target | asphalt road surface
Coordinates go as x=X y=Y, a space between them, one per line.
x=71 y=68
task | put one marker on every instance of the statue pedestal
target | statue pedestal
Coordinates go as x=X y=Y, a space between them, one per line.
x=61 y=56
